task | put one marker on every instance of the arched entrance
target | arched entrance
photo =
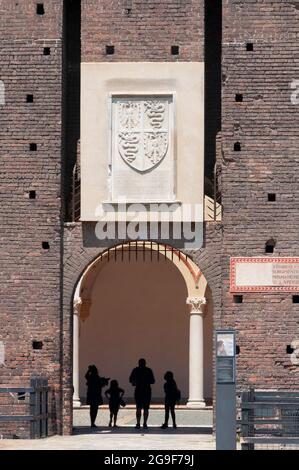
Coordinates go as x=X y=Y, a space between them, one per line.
x=143 y=299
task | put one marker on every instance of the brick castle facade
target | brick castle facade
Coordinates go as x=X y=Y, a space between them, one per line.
x=251 y=134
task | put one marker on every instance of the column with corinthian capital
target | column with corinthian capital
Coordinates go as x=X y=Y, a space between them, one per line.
x=196 y=399
x=76 y=320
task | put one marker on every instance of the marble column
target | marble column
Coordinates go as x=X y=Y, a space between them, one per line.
x=76 y=322
x=196 y=399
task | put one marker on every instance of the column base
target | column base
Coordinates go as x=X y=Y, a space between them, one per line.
x=77 y=403
x=196 y=404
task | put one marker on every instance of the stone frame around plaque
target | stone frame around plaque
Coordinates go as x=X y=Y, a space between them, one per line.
x=129 y=169
x=182 y=80
x=260 y=286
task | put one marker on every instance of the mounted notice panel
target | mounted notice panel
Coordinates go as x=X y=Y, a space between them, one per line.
x=225 y=357
x=225 y=348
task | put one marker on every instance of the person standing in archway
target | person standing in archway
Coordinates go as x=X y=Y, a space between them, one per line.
x=172 y=396
x=94 y=383
x=142 y=378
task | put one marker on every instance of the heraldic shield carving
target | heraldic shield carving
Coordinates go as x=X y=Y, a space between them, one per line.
x=142 y=131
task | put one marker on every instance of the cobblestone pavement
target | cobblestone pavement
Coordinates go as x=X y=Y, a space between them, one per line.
x=194 y=432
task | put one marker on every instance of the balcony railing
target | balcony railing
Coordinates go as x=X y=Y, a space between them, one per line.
x=212 y=205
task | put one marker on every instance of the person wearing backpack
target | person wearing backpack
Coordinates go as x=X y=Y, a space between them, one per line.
x=172 y=396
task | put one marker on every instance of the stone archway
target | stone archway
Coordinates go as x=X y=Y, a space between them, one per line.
x=196 y=291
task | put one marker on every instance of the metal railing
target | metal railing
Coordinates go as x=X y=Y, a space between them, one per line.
x=217 y=193
x=212 y=202
x=76 y=194
x=269 y=419
x=212 y=210
x=35 y=400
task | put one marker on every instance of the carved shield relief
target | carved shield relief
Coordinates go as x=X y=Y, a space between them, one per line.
x=141 y=130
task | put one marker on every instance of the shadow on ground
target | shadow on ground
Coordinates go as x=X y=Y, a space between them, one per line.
x=151 y=430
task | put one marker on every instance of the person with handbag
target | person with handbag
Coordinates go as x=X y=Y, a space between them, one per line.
x=94 y=383
x=115 y=396
x=172 y=396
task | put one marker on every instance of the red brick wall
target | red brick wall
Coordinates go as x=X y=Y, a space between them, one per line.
x=267 y=126
x=265 y=123
x=29 y=275
x=147 y=33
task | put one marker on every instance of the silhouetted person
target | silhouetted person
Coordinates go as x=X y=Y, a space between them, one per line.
x=94 y=383
x=115 y=395
x=172 y=396
x=142 y=378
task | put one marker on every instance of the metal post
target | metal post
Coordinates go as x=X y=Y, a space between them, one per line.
x=225 y=390
x=244 y=419
x=251 y=419
x=44 y=410
x=33 y=400
x=38 y=409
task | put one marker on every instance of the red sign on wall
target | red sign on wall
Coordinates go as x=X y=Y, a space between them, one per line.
x=264 y=274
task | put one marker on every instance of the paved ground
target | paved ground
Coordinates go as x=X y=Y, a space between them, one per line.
x=112 y=440
x=194 y=432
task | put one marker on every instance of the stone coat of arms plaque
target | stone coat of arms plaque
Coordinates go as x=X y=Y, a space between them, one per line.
x=142 y=131
x=142 y=161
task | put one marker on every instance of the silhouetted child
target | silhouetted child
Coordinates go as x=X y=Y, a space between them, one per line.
x=172 y=396
x=115 y=396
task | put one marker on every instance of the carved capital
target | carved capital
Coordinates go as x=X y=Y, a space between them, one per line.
x=82 y=308
x=197 y=304
x=77 y=306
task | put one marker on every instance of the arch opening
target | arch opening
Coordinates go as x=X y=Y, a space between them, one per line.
x=141 y=300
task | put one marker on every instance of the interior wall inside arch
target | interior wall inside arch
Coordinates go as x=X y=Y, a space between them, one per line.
x=138 y=310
